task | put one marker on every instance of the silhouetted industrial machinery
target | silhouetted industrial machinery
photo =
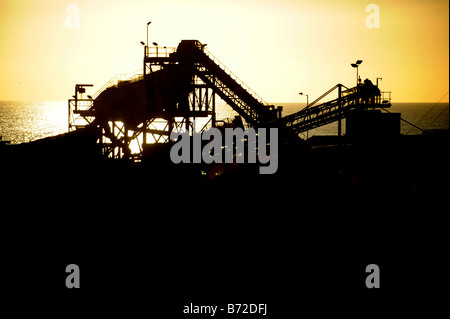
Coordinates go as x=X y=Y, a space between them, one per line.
x=179 y=85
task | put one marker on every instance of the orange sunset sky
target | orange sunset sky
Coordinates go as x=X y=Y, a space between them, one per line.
x=277 y=47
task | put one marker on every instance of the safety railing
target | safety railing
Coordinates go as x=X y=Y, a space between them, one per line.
x=127 y=77
x=386 y=97
x=234 y=77
x=160 y=52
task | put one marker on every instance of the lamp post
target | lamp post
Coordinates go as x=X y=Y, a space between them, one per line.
x=356 y=65
x=146 y=53
x=307 y=103
x=301 y=93
x=145 y=48
x=379 y=79
x=156 y=45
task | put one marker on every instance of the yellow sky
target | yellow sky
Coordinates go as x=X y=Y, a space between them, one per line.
x=277 y=47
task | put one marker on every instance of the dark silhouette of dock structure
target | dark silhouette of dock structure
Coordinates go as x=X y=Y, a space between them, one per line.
x=180 y=85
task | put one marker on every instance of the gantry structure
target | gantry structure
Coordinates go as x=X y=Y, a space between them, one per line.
x=178 y=86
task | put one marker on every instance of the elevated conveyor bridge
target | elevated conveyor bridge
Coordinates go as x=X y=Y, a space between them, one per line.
x=362 y=97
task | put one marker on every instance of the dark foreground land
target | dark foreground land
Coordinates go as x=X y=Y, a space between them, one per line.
x=154 y=237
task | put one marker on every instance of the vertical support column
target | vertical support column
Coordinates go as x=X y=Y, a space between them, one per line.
x=194 y=94
x=340 y=109
x=213 y=116
x=68 y=116
x=145 y=56
x=170 y=125
x=76 y=96
x=126 y=152
x=99 y=133
x=144 y=133
x=200 y=98
x=206 y=98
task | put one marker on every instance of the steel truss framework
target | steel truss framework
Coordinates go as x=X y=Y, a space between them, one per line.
x=80 y=109
x=203 y=77
x=119 y=141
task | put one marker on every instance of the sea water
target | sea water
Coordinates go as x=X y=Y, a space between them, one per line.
x=22 y=122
